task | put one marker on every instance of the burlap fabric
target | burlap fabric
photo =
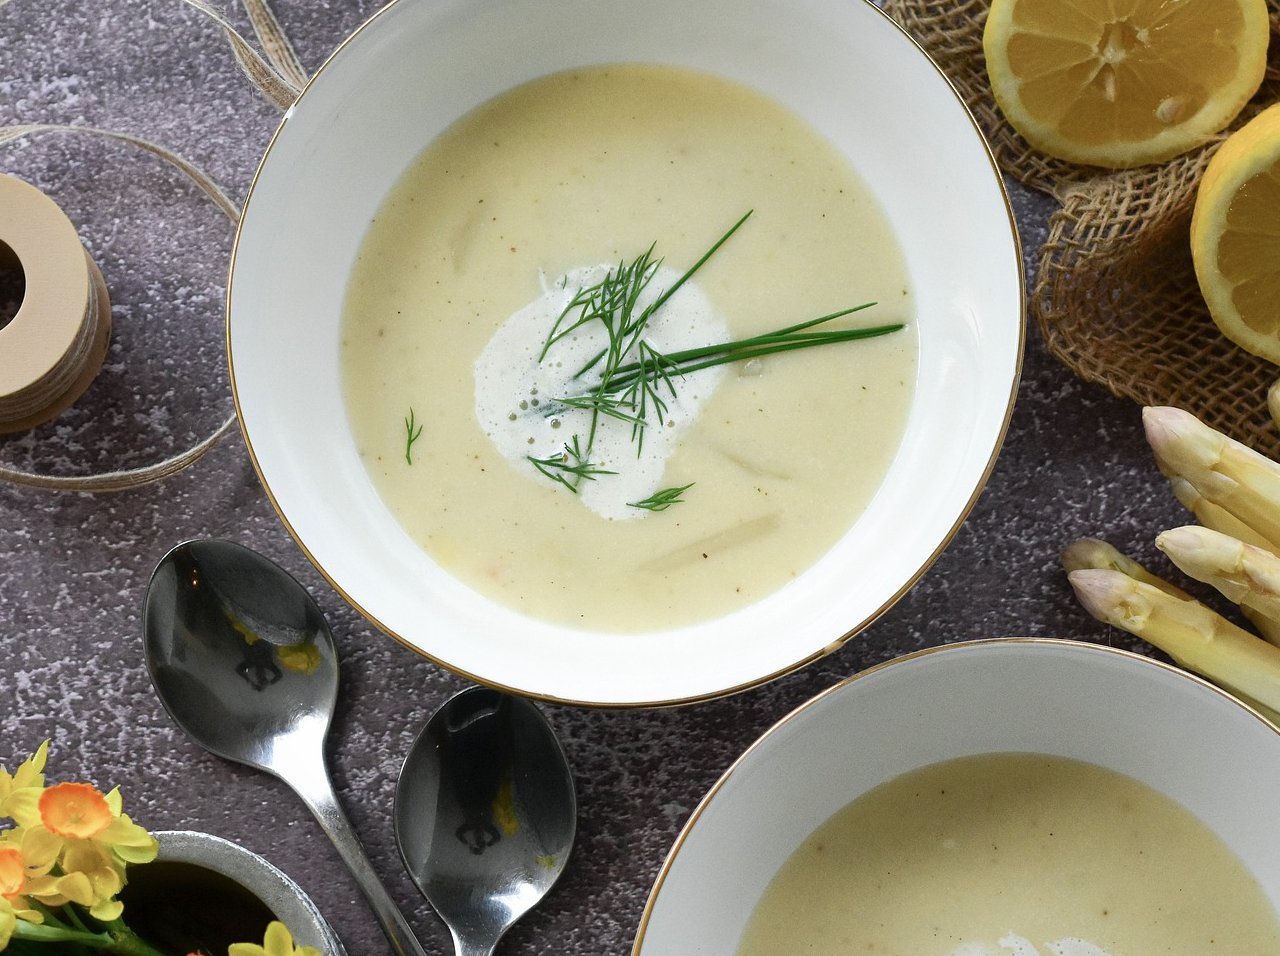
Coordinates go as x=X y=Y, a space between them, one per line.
x=1115 y=296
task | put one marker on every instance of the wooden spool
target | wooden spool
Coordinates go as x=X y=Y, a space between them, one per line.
x=55 y=345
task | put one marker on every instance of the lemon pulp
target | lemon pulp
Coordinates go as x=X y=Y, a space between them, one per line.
x=1235 y=236
x=1121 y=83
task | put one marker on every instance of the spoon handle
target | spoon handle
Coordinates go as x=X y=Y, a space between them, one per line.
x=316 y=791
x=463 y=946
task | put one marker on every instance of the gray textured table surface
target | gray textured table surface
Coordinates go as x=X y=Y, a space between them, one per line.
x=73 y=566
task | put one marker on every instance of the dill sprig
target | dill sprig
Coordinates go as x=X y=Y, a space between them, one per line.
x=634 y=380
x=633 y=279
x=610 y=302
x=661 y=500
x=413 y=431
x=570 y=467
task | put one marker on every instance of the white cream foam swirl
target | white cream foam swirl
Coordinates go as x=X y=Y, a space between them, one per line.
x=514 y=390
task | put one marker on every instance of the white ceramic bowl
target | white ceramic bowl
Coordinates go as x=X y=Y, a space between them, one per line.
x=419 y=65
x=1155 y=723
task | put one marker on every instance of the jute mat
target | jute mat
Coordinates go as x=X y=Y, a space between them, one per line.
x=1115 y=295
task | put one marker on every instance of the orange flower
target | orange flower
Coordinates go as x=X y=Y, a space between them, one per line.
x=15 y=883
x=76 y=811
x=13 y=873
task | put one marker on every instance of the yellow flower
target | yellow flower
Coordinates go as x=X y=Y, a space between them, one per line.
x=75 y=842
x=8 y=921
x=278 y=942
x=38 y=851
x=70 y=845
x=91 y=877
x=20 y=790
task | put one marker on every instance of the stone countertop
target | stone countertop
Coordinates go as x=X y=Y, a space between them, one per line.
x=73 y=566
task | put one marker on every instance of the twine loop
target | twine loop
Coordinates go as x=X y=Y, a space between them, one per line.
x=279 y=75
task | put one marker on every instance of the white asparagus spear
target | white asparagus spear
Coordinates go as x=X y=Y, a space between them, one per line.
x=1244 y=574
x=1268 y=627
x=1096 y=553
x=1216 y=517
x=1192 y=634
x=1229 y=474
x=1273 y=402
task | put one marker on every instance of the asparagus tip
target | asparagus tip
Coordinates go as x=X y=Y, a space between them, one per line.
x=1086 y=553
x=1164 y=425
x=1184 y=540
x=1094 y=587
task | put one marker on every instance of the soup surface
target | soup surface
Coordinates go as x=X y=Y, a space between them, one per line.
x=543 y=190
x=1013 y=855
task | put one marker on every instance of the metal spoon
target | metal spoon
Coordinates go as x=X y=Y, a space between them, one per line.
x=485 y=814
x=244 y=662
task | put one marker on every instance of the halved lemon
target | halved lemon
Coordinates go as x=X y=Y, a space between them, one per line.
x=1121 y=83
x=1235 y=235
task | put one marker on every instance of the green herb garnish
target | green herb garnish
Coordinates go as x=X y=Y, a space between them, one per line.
x=413 y=431
x=635 y=380
x=741 y=350
x=570 y=467
x=661 y=500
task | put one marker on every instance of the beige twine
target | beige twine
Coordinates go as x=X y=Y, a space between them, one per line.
x=280 y=77
x=1115 y=296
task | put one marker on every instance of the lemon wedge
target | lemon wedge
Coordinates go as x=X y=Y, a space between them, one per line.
x=1122 y=83
x=1235 y=235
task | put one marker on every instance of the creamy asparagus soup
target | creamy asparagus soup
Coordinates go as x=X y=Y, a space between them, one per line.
x=523 y=347
x=1013 y=855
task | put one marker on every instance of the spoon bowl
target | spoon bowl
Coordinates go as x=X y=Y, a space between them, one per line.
x=244 y=662
x=238 y=652
x=485 y=814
